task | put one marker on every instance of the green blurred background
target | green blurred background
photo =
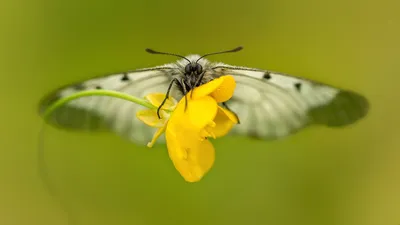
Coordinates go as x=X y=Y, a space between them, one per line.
x=320 y=176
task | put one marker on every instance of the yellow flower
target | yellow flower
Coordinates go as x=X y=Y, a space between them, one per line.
x=189 y=125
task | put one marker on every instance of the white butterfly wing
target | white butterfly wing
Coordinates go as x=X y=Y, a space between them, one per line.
x=269 y=105
x=273 y=105
x=99 y=113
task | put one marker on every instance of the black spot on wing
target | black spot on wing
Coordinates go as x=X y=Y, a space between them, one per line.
x=267 y=75
x=297 y=86
x=125 y=77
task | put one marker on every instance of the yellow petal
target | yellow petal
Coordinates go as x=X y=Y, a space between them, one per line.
x=208 y=131
x=224 y=121
x=221 y=89
x=157 y=98
x=149 y=117
x=156 y=135
x=197 y=115
x=232 y=116
x=192 y=158
x=206 y=88
x=225 y=90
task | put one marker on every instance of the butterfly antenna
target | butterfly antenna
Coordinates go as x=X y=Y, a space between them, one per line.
x=216 y=53
x=151 y=51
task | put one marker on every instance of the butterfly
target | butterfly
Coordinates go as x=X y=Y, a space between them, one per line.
x=270 y=105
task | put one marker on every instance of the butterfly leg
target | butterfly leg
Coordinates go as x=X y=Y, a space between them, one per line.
x=185 y=92
x=226 y=106
x=166 y=96
x=198 y=82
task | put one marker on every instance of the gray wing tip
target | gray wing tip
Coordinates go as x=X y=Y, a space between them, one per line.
x=346 y=108
x=46 y=102
x=69 y=117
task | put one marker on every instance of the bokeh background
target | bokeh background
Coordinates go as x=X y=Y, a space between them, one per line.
x=320 y=176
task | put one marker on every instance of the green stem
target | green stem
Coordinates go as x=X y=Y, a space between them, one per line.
x=109 y=93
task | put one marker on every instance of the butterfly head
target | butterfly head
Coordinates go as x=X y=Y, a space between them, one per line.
x=194 y=73
x=193 y=68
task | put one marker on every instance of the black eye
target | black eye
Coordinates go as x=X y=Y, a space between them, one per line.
x=199 y=69
x=188 y=69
